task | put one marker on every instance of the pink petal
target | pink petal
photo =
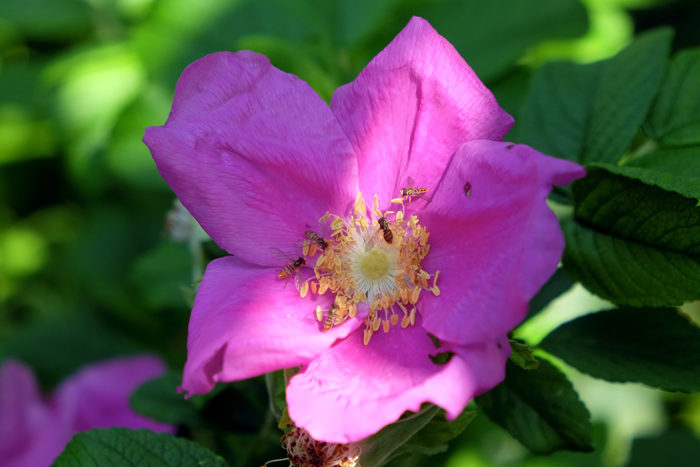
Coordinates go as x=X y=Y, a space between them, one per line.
x=22 y=410
x=98 y=395
x=496 y=247
x=411 y=108
x=253 y=153
x=353 y=390
x=246 y=322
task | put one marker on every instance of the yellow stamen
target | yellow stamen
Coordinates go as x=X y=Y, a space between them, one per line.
x=303 y=289
x=364 y=271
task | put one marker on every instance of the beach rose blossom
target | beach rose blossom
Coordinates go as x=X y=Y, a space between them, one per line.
x=34 y=430
x=367 y=236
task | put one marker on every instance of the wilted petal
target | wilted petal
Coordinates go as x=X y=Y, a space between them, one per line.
x=353 y=390
x=253 y=153
x=98 y=395
x=411 y=108
x=246 y=322
x=493 y=237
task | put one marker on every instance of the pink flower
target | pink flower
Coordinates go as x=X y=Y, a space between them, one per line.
x=33 y=431
x=266 y=166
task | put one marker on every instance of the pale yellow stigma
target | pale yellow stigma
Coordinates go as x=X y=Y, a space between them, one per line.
x=373 y=264
x=372 y=260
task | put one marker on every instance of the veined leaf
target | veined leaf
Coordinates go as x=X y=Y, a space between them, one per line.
x=124 y=447
x=675 y=116
x=590 y=113
x=673 y=169
x=658 y=347
x=540 y=408
x=633 y=243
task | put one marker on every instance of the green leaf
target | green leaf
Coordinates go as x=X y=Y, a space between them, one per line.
x=555 y=286
x=673 y=169
x=589 y=113
x=540 y=408
x=48 y=20
x=508 y=36
x=677 y=447
x=522 y=355
x=632 y=243
x=75 y=340
x=434 y=436
x=162 y=274
x=675 y=116
x=378 y=448
x=658 y=347
x=158 y=399
x=275 y=383
x=124 y=447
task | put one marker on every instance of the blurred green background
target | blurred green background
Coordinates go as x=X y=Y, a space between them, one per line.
x=89 y=268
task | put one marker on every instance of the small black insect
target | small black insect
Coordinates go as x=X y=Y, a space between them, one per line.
x=467 y=189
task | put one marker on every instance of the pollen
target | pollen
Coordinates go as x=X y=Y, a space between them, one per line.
x=370 y=265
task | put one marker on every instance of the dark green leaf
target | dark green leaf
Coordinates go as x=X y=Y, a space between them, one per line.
x=508 y=36
x=357 y=19
x=162 y=274
x=378 y=448
x=73 y=340
x=632 y=243
x=158 y=399
x=555 y=286
x=540 y=408
x=48 y=20
x=673 y=169
x=589 y=113
x=675 y=116
x=275 y=383
x=441 y=358
x=658 y=347
x=124 y=447
x=435 y=435
x=677 y=447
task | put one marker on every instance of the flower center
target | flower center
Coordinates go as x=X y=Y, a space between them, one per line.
x=373 y=264
x=370 y=260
